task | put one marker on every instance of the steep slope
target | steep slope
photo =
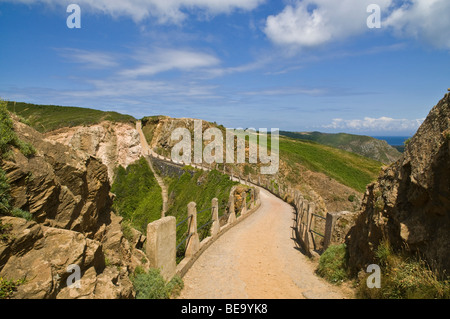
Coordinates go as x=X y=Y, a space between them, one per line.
x=367 y=146
x=115 y=144
x=108 y=136
x=71 y=223
x=409 y=204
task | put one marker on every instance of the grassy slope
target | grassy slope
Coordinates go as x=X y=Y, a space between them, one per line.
x=350 y=142
x=347 y=168
x=200 y=188
x=138 y=195
x=45 y=118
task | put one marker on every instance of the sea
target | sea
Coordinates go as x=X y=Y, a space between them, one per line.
x=393 y=140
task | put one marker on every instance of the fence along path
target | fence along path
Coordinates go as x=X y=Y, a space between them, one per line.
x=257 y=258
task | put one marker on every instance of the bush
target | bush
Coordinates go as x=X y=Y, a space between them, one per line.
x=333 y=264
x=151 y=285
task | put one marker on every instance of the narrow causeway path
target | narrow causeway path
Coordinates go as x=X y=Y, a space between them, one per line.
x=257 y=259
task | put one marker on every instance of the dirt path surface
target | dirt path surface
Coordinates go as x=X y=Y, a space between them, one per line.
x=257 y=259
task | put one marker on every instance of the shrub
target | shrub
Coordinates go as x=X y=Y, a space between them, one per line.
x=333 y=264
x=151 y=285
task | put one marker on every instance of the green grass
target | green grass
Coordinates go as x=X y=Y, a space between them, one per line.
x=8 y=139
x=138 y=195
x=404 y=276
x=333 y=264
x=347 y=168
x=350 y=142
x=45 y=118
x=151 y=285
x=200 y=188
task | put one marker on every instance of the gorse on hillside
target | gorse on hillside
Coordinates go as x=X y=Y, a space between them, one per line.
x=46 y=118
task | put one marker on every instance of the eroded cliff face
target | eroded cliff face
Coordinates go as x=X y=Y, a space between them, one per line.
x=67 y=193
x=113 y=143
x=409 y=205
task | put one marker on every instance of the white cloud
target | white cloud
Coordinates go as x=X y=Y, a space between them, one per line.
x=165 y=11
x=425 y=20
x=162 y=60
x=310 y=23
x=90 y=59
x=385 y=124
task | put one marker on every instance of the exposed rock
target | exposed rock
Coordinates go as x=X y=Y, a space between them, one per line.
x=59 y=187
x=67 y=193
x=41 y=255
x=113 y=143
x=409 y=205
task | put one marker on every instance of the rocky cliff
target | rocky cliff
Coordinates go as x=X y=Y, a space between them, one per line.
x=67 y=194
x=113 y=143
x=409 y=204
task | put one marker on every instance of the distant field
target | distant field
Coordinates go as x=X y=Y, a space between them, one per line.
x=345 y=167
x=46 y=118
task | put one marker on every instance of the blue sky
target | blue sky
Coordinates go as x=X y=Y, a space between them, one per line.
x=298 y=65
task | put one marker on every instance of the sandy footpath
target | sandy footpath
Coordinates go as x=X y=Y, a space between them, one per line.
x=257 y=259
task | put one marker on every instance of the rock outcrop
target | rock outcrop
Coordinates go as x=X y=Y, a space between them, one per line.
x=113 y=143
x=67 y=194
x=409 y=205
